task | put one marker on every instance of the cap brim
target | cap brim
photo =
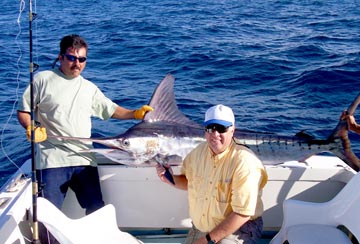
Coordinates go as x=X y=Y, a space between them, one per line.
x=218 y=121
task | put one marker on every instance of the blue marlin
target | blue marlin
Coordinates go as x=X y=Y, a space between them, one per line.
x=166 y=135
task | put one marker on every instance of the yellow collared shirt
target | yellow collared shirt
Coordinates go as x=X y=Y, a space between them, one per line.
x=218 y=185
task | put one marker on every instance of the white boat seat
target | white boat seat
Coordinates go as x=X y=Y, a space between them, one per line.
x=315 y=234
x=307 y=222
x=97 y=227
x=10 y=232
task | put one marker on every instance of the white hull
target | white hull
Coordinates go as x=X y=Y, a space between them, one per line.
x=143 y=202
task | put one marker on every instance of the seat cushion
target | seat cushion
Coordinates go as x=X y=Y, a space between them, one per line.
x=316 y=234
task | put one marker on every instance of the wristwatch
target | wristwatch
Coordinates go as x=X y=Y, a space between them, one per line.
x=208 y=238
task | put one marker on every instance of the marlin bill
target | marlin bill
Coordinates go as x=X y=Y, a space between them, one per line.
x=166 y=135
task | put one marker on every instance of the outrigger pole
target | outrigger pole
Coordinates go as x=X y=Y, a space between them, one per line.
x=33 y=67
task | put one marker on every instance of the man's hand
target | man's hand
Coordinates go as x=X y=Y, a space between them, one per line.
x=140 y=113
x=165 y=173
x=352 y=125
x=39 y=134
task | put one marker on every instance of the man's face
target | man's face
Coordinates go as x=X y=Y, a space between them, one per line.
x=217 y=141
x=73 y=62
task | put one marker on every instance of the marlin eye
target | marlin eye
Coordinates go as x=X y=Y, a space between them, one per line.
x=126 y=143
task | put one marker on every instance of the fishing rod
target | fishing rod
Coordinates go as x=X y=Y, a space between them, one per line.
x=33 y=68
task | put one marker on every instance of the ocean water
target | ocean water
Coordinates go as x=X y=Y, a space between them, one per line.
x=283 y=66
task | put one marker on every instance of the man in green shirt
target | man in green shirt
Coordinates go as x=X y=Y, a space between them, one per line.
x=64 y=104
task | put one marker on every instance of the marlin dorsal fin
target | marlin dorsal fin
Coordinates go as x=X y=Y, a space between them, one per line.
x=164 y=104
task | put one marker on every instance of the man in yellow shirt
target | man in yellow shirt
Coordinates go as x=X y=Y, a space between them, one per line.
x=224 y=182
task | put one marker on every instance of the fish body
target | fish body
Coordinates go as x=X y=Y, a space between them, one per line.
x=145 y=142
x=167 y=134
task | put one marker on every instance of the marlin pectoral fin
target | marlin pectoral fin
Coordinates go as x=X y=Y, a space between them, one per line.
x=162 y=160
x=169 y=176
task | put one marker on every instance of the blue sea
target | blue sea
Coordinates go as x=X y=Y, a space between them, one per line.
x=283 y=66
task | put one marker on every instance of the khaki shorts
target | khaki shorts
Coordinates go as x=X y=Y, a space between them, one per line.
x=249 y=233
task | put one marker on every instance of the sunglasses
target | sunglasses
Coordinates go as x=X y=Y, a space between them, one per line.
x=73 y=58
x=211 y=128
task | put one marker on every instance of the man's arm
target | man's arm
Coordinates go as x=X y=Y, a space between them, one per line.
x=124 y=113
x=180 y=182
x=350 y=119
x=24 y=118
x=353 y=125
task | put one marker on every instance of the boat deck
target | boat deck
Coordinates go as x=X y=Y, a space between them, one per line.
x=179 y=236
x=169 y=207
x=181 y=240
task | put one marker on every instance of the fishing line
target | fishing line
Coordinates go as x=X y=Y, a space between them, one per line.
x=21 y=10
x=13 y=109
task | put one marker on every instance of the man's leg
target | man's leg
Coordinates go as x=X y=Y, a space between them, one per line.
x=249 y=233
x=52 y=186
x=86 y=185
x=193 y=235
